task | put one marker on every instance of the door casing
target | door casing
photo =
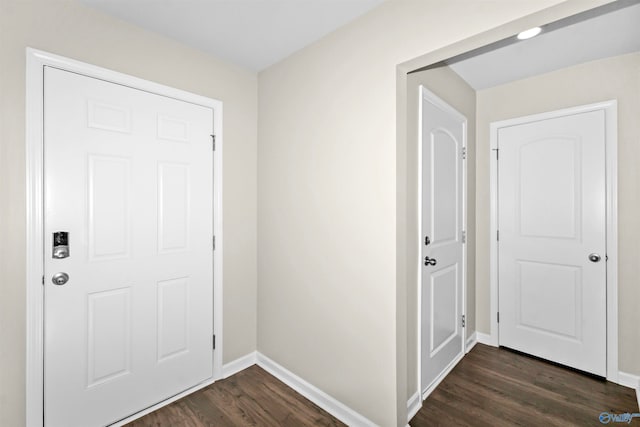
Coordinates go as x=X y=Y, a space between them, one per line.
x=36 y=61
x=611 y=167
x=433 y=98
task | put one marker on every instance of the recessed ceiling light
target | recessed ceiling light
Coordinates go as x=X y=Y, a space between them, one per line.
x=531 y=32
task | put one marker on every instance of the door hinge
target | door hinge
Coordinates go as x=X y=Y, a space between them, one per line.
x=427 y=241
x=42 y=280
x=214 y=243
x=464 y=153
x=214 y=341
x=498 y=235
x=463 y=321
x=497 y=151
x=213 y=139
x=464 y=236
x=498 y=316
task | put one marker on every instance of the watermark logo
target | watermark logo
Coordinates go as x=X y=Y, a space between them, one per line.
x=610 y=417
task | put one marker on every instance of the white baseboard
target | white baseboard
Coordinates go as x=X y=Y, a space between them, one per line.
x=629 y=380
x=314 y=394
x=471 y=342
x=485 y=339
x=239 y=364
x=413 y=405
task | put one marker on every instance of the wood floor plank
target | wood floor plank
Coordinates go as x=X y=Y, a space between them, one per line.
x=251 y=397
x=291 y=409
x=498 y=387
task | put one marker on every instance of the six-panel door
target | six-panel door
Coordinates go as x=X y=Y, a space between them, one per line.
x=129 y=175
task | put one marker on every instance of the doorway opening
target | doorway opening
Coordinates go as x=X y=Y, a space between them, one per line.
x=503 y=66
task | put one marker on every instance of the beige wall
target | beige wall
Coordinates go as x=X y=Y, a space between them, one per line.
x=613 y=78
x=447 y=85
x=72 y=30
x=327 y=199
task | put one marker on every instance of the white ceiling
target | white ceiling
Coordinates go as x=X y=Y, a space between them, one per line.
x=614 y=33
x=251 y=33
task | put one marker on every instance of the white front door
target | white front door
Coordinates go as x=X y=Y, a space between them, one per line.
x=129 y=177
x=552 y=239
x=443 y=139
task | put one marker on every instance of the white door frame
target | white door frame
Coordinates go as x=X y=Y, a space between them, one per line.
x=611 y=165
x=426 y=94
x=36 y=61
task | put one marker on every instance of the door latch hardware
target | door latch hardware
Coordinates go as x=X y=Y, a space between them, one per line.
x=429 y=261
x=594 y=257
x=60 y=279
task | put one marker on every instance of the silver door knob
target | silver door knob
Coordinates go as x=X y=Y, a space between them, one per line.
x=594 y=257
x=60 y=279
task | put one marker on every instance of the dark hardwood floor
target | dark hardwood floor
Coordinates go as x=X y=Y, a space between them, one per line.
x=497 y=387
x=489 y=387
x=251 y=397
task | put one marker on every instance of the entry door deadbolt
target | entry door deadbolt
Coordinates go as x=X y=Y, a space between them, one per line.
x=60 y=244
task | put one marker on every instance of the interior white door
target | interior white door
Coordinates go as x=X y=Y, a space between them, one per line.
x=552 y=220
x=443 y=138
x=129 y=175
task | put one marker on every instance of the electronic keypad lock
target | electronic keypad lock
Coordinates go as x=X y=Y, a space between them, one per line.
x=60 y=244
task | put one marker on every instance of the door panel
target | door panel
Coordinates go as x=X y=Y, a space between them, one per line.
x=442 y=139
x=109 y=335
x=109 y=207
x=549 y=188
x=173 y=317
x=173 y=201
x=129 y=175
x=445 y=214
x=551 y=182
x=444 y=295
x=562 y=313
